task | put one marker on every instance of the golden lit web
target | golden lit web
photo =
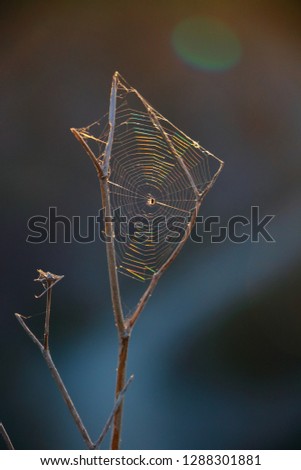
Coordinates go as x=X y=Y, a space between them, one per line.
x=157 y=174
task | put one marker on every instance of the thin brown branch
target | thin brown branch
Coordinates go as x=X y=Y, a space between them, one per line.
x=6 y=437
x=113 y=412
x=47 y=317
x=20 y=318
x=59 y=382
x=102 y=173
x=111 y=258
x=120 y=384
x=109 y=229
x=112 y=115
x=93 y=159
x=67 y=399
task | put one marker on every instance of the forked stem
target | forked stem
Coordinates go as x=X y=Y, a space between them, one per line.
x=102 y=165
x=123 y=334
x=48 y=280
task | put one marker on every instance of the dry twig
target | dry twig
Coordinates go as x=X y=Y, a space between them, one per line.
x=6 y=437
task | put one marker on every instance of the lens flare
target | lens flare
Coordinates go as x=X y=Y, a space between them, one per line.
x=206 y=43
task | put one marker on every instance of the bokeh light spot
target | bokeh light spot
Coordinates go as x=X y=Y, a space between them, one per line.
x=206 y=43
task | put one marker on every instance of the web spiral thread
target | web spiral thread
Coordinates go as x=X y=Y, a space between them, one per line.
x=156 y=175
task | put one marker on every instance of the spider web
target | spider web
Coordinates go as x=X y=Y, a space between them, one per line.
x=157 y=174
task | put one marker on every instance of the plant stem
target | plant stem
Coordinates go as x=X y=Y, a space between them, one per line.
x=102 y=165
x=123 y=334
x=6 y=437
x=59 y=382
x=120 y=383
x=47 y=317
x=92 y=157
x=67 y=399
x=111 y=257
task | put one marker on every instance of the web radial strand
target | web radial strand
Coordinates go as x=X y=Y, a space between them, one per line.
x=149 y=186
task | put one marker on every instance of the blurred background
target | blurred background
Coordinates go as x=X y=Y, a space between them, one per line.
x=217 y=353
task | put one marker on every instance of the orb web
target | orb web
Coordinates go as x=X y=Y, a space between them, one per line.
x=157 y=173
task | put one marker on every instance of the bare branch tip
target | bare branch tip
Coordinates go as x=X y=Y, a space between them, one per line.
x=129 y=381
x=74 y=131
x=19 y=315
x=21 y=318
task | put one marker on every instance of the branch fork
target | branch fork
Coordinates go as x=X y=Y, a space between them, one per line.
x=48 y=280
x=125 y=326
